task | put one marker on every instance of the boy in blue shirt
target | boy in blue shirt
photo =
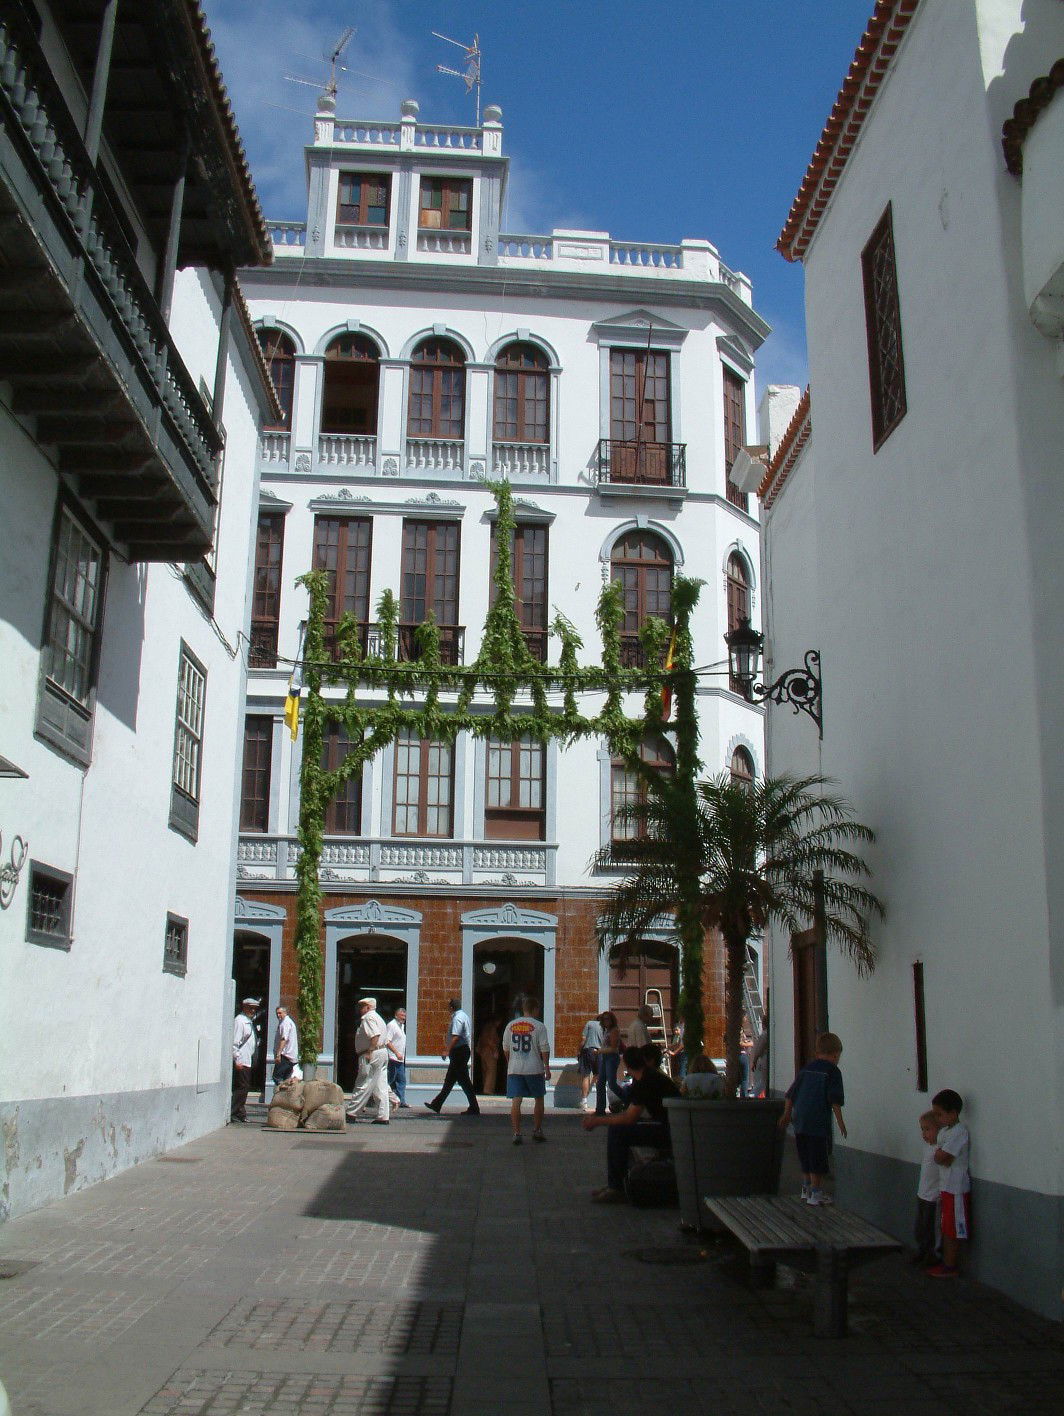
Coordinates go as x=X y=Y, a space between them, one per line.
x=813 y=1098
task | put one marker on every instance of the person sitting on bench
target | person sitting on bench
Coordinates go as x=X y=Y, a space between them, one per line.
x=644 y=1122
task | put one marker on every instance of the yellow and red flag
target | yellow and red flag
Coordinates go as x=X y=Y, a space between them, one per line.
x=666 y=692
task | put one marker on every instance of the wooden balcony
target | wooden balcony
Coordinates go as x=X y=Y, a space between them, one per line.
x=641 y=464
x=82 y=339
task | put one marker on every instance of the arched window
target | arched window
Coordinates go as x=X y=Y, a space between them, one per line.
x=437 y=391
x=351 y=380
x=522 y=395
x=280 y=354
x=642 y=562
x=738 y=586
x=742 y=767
x=627 y=788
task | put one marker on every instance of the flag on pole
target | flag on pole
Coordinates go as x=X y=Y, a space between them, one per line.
x=295 y=689
x=666 y=692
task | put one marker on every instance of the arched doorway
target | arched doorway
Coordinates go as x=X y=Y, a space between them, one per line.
x=366 y=964
x=251 y=975
x=503 y=971
x=656 y=966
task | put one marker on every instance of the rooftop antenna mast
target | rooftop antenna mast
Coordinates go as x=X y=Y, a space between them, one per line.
x=470 y=75
x=333 y=61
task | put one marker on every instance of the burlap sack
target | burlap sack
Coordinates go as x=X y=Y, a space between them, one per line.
x=328 y=1117
x=288 y=1096
x=280 y=1118
x=317 y=1094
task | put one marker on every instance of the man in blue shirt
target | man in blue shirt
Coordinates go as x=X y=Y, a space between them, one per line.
x=813 y=1098
x=459 y=1044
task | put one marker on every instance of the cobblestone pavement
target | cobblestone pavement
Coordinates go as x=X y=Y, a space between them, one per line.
x=436 y=1270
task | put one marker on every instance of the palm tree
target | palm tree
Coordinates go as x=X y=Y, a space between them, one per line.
x=773 y=851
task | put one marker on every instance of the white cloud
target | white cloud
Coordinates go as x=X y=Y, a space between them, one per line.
x=261 y=41
x=782 y=359
x=534 y=205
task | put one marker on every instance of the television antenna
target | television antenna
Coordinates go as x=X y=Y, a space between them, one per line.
x=470 y=75
x=332 y=58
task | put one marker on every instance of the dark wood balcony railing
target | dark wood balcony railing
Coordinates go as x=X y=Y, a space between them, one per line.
x=371 y=643
x=536 y=640
x=734 y=495
x=638 y=464
x=262 y=653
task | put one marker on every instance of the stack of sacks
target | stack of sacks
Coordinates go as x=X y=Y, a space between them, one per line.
x=323 y=1107
x=286 y=1106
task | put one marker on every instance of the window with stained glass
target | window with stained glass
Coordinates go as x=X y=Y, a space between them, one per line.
x=362 y=199
x=446 y=203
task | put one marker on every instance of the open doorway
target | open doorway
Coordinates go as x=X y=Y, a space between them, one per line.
x=251 y=974
x=366 y=965
x=503 y=970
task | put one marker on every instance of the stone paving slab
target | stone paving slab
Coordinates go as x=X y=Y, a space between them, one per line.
x=431 y=1267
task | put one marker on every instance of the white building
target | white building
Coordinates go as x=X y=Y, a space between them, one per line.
x=912 y=534
x=419 y=350
x=131 y=389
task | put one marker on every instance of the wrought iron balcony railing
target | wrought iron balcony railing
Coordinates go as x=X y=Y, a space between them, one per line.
x=371 y=642
x=638 y=464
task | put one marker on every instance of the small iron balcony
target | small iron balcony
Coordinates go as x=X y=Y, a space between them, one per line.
x=638 y=464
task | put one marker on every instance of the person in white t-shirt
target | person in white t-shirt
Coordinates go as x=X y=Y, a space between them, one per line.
x=587 y=1060
x=243 y=1056
x=526 y=1047
x=372 y=1079
x=285 y=1048
x=395 y=1042
x=927 y=1193
x=951 y=1156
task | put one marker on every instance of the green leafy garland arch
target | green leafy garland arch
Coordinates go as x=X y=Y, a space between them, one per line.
x=514 y=700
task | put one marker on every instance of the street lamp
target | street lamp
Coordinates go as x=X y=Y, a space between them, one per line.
x=801 y=688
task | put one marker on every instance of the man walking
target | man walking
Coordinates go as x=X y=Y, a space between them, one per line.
x=459 y=1044
x=243 y=1056
x=526 y=1047
x=285 y=1048
x=395 y=1042
x=372 y=1079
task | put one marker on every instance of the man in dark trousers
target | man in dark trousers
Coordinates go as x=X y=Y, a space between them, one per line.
x=644 y=1122
x=459 y=1043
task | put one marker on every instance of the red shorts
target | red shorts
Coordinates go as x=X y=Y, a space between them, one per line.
x=956 y=1218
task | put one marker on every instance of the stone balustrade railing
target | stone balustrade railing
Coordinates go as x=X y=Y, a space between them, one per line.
x=361 y=238
x=288 y=233
x=434 y=136
x=625 y=253
x=275 y=447
x=523 y=461
x=529 y=248
x=435 y=454
x=347 y=450
x=355 y=133
x=445 y=243
x=360 y=858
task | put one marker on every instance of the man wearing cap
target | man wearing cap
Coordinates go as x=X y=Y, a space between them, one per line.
x=372 y=1079
x=243 y=1056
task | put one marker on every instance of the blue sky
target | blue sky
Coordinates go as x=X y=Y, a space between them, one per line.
x=650 y=120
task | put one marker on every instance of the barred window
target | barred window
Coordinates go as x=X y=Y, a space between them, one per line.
x=514 y=809
x=424 y=778
x=48 y=920
x=175 y=945
x=886 y=366
x=188 y=744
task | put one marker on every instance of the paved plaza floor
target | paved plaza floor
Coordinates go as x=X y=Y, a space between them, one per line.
x=435 y=1268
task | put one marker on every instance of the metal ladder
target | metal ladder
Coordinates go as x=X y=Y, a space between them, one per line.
x=752 y=1002
x=656 y=1027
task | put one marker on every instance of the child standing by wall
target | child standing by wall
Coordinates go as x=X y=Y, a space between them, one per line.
x=952 y=1157
x=927 y=1194
x=815 y=1095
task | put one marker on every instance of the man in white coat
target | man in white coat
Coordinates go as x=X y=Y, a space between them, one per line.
x=372 y=1079
x=243 y=1056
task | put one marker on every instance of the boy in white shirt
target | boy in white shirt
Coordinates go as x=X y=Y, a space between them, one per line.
x=951 y=1156
x=927 y=1194
x=526 y=1047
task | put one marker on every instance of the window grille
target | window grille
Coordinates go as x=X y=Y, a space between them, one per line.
x=48 y=920
x=886 y=365
x=175 y=945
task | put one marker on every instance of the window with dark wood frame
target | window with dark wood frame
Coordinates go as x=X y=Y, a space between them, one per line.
x=886 y=365
x=734 y=433
x=255 y=775
x=266 y=594
x=429 y=577
x=279 y=351
x=343 y=814
x=446 y=203
x=642 y=562
x=362 y=199
x=350 y=386
x=741 y=767
x=522 y=395
x=424 y=788
x=737 y=584
x=920 y=1020
x=528 y=558
x=640 y=415
x=627 y=788
x=342 y=548
x=190 y=721
x=437 y=391
x=71 y=640
x=48 y=906
x=515 y=802
x=175 y=945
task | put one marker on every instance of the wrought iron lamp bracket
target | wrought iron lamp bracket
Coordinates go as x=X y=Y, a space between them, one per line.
x=801 y=688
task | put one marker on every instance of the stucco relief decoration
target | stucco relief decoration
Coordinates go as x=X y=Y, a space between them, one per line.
x=504 y=693
x=11 y=870
x=400 y=240
x=302 y=463
x=390 y=468
x=476 y=471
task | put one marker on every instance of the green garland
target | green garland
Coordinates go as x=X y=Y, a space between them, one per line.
x=379 y=706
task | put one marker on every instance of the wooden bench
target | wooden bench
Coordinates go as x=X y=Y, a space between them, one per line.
x=819 y=1239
